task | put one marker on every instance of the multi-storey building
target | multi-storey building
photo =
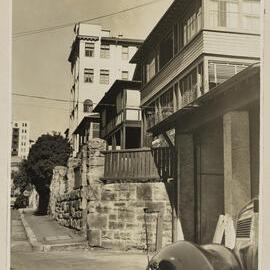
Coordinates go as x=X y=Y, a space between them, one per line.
x=200 y=95
x=97 y=60
x=120 y=115
x=20 y=139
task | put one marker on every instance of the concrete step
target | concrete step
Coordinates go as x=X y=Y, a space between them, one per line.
x=19 y=237
x=18 y=229
x=16 y=222
x=66 y=246
x=20 y=246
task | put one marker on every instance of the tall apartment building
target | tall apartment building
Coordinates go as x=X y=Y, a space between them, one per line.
x=20 y=139
x=97 y=60
x=200 y=94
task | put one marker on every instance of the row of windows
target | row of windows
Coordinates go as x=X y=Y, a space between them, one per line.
x=24 y=131
x=234 y=14
x=104 y=75
x=190 y=87
x=104 y=51
x=23 y=124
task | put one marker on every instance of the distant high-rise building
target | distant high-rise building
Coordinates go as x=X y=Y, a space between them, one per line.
x=20 y=139
x=97 y=60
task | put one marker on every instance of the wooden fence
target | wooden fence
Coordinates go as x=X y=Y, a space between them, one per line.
x=140 y=164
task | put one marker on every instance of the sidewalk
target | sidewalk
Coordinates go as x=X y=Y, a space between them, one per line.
x=49 y=234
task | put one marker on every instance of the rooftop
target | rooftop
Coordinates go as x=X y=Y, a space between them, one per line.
x=160 y=29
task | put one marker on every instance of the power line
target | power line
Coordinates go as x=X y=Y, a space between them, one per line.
x=81 y=102
x=60 y=26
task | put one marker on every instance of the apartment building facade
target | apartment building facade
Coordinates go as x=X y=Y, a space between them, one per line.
x=97 y=60
x=20 y=144
x=200 y=94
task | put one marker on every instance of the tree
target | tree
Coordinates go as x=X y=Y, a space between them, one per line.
x=20 y=177
x=50 y=150
x=21 y=181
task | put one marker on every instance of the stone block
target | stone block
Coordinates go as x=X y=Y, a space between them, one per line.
x=107 y=235
x=119 y=204
x=97 y=221
x=156 y=206
x=94 y=237
x=126 y=215
x=132 y=226
x=117 y=235
x=112 y=217
x=113 y=225
x=144 y=192
x=160 y=192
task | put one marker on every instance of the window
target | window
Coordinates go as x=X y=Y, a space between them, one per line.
x=191 y=26
x=125 y=53
x=188 y=87
x=166 y=103
x=104 y=76
x=124 y=75
x=105 y=51
x=220 y=72
x=89 y=49
x=166 y=50
x=88 y=75
x=95 y=130
x=150 y=70
x=88 y=106
x=235 y=14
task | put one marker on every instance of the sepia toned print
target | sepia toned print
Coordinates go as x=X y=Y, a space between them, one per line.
x=136 y=135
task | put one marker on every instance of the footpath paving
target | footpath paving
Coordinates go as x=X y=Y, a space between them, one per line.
x=46 y=234
x=19 y=239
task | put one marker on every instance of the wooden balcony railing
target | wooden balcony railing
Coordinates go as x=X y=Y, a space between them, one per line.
x=140 y=164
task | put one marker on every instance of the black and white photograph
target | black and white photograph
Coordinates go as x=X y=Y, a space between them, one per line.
x=135 y=135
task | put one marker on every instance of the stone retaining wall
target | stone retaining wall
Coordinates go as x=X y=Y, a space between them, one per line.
x=69 y=211
x=116 y=217
x=111 y=214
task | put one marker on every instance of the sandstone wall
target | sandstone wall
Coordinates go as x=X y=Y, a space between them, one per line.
x=116 y=217
x=111 y=214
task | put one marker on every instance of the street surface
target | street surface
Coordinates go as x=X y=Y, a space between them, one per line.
x=23 y=258
x=76 y=260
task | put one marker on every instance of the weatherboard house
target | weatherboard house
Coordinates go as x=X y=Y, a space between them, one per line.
x=201 y=83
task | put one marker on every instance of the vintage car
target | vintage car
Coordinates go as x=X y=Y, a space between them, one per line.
x=184 y=255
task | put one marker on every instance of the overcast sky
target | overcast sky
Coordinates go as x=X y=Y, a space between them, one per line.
x=40 y=65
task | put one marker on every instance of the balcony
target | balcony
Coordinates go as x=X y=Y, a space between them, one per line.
x=155 y=117
x=133 y=114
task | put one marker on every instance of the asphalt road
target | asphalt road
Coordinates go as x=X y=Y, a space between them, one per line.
x=76 y=260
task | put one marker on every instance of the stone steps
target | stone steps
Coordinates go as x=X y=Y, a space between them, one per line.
x=17 y=245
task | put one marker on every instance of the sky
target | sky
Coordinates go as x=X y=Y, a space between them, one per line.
x=39 y=64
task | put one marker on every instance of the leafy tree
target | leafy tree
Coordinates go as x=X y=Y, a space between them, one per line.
x=21 y=181
x=20 y=177
x=50 y=150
